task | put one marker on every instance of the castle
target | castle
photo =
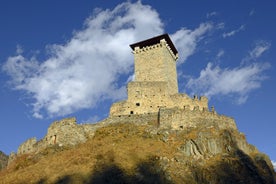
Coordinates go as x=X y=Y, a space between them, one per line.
x=152 y=97
x=155 y=85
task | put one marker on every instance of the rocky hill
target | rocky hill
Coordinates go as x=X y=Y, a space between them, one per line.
x=146 y=153
x=3 y=160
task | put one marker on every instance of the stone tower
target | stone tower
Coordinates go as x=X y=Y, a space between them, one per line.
x=155 y=61
x=155 y=85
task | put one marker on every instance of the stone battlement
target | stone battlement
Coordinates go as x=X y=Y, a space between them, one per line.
x=163 y=43
x=179 y=119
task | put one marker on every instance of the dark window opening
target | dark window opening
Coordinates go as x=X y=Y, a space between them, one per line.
x=137 y=104
x=181 y=127
x=131 y=112
x=55 y=139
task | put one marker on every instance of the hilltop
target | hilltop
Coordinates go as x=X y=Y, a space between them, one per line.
x=132 y=153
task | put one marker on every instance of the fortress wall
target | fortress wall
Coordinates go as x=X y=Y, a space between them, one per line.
x=148 y=97
x=118 y=108
x=65 y=132
x=27 y=146
x=140 y=119
x=184 y=101
x=178 y=119
x=134 y=118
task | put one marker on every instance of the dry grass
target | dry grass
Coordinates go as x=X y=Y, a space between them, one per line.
x=123 y=145
x=127 y=153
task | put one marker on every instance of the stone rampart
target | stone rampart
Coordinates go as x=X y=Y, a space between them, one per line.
x=145 y=100
x=178 y=119
x=27 y=146
x=63 y=133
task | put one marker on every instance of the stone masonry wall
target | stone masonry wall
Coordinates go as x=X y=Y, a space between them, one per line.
x=178 y=119
x=156 y=63
x=63 y=133
x=144 y=99
x=27 y=146
x=155 y=84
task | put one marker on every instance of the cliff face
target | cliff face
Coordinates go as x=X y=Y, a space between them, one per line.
x=3 y=160
x=136 y=152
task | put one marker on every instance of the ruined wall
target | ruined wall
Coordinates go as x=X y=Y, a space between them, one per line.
x=178 y=119
x=27 y=146
x=65 y=132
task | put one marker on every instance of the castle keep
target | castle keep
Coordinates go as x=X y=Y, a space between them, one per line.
x=155 y=85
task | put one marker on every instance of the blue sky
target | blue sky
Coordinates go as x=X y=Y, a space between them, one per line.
x=65 y=58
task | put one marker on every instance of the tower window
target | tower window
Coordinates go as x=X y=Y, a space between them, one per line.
x=131 y=112
x=137 y=104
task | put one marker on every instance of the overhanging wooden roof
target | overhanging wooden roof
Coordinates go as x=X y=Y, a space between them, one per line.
x=153 y=41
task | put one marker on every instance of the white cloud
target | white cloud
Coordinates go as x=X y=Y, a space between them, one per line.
x=239 y=81
x=252 y=12
x=274 y=164
x=255 y=53
x=19 y=49
x=86 y=70
x=186 y=40
x=232 y=33
x=211 y=14
x=220 y=25
x=259 y=49
x=220 y=54
x=83 y=71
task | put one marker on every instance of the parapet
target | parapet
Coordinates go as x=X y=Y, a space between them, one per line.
x=158 y=41
x=64 y=122
x=177 y=119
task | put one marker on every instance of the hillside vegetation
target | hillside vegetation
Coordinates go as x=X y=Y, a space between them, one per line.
x=129 y=153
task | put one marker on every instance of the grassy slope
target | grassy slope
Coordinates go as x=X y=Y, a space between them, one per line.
x=122 y=146
x=126 y=153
